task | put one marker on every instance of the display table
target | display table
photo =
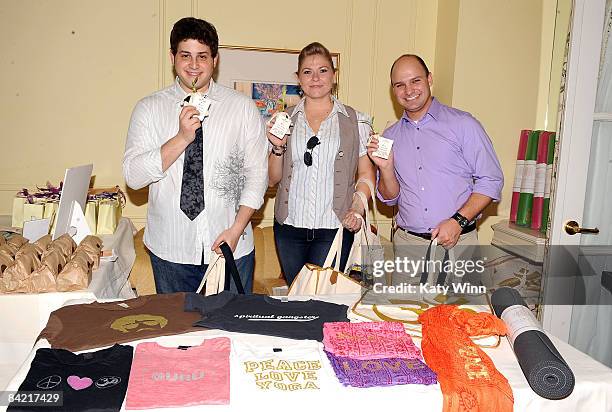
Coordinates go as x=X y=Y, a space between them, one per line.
x=592 y=391
x=24 y=315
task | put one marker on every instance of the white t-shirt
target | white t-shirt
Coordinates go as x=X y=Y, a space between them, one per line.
x=287 y=371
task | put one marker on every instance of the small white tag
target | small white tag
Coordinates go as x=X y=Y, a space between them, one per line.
x=200 y=102
x=123 y=305
x=519 y=319
x=384 y=146
x=281 y=125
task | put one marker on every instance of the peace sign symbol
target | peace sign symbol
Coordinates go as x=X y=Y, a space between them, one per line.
x=49 y=382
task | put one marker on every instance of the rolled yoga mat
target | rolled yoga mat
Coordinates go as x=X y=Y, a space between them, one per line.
x=547 y=373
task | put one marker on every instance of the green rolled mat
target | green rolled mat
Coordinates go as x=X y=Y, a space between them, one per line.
x=548 y=183
x=523 y=214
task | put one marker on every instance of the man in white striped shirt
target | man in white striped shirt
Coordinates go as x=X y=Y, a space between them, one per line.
x=234 y=165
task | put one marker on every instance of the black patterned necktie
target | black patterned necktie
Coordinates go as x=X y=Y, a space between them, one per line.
x=192 y=187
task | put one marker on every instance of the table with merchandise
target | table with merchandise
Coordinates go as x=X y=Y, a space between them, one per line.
x=25 y=314
x=249 y=352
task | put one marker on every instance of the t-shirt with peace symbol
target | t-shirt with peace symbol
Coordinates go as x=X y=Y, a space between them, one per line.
x=89 y=381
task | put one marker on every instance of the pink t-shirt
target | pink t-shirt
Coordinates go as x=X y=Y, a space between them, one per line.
x=171 y=377
x=369 y=340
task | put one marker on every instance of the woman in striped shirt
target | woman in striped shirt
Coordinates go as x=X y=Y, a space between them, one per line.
x=316 y=165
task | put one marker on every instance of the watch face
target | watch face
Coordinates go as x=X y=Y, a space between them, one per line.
x=463 y=222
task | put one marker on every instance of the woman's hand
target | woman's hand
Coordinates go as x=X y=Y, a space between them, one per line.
x=352 y=221
x=273 y=139
x=354 y=216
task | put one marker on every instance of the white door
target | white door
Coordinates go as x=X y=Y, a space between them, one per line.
x=583 y=190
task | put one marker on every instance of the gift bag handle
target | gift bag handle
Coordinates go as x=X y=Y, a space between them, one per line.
x=214 y=260
x=230 y=268
x=365 y=201
x=335 y=250
x=430 y=255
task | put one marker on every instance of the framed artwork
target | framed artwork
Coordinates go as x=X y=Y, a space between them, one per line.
x=265 y=75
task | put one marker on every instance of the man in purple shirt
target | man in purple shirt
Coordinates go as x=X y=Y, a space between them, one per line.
x=442 y=171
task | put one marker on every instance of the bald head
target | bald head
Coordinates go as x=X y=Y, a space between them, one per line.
x=411 y=84
x=409 y=57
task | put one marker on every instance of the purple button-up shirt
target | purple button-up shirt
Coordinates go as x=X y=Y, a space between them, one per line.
x=439 y=162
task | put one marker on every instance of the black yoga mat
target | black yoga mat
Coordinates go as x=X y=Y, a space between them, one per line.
x=547 y=373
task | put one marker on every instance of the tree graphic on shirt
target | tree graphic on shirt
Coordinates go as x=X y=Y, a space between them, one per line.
x=229 y=178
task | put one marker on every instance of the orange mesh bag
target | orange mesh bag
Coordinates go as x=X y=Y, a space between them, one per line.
x=468 y=378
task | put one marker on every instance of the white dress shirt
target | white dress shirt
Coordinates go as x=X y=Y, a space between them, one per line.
x=235 y=171
x=311 y=194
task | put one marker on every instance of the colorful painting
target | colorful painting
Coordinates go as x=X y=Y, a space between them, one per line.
x=270 y=97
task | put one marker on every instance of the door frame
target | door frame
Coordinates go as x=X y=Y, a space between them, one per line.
x=573 y=152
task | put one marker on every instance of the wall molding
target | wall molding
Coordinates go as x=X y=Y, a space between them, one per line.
x=161 y=24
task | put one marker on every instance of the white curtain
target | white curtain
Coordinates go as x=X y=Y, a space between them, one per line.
x=591 y=329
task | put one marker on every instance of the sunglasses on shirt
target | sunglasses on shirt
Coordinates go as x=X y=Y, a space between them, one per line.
x=310 y=145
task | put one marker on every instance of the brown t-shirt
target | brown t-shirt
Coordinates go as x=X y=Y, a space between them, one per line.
x=93 y=325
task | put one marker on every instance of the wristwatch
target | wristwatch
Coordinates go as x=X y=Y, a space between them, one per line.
x=462 y=220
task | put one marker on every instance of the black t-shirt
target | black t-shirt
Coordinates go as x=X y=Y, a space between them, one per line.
x=91 y=381
x=264 y=315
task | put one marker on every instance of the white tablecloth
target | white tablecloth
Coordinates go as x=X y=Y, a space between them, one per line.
x=23 y=316
x=593 y=391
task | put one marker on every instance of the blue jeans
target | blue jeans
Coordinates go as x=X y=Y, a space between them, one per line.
x=297 y=246
x=173 y=277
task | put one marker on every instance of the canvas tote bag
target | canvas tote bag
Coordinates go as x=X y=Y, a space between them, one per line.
x=326 y=280
x=220 y=269
x=367 y=247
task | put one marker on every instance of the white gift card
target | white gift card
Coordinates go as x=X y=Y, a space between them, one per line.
x=384 y=146
x=281 y=125
x=35 y=229
x=200 y=102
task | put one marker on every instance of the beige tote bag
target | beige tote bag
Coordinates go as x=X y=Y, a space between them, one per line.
x=326 y=280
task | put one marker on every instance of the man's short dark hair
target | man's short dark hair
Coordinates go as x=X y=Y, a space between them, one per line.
x=418 y=58
x=197 y=29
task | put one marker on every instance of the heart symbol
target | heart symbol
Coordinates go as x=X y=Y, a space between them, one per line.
x=77 y=383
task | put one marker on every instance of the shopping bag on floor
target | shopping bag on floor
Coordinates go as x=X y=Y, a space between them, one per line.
x=326 y=280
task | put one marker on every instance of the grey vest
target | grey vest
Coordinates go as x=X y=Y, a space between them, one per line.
x=345 y=167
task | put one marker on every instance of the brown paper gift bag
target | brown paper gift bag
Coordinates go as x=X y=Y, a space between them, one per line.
x=65 y=244
x=92 y=247
x=54 y=260
x=21 y=269
x=17 y=240
x=5 y=261
x=31 y=253
x=76 y=275
x=9 y=249
x=43 y=280
x=30 y=248
x=43 y=242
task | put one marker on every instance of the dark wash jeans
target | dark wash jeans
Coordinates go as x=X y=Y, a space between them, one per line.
x=297 y=246
x=173 y=277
